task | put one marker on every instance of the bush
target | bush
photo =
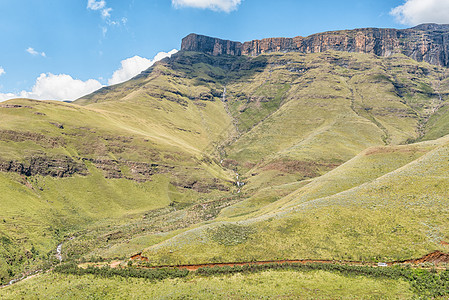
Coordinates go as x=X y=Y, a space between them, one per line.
x=151 y=274
x=424 y=283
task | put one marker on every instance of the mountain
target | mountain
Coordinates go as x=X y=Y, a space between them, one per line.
x=332 y=146
x=426 y=42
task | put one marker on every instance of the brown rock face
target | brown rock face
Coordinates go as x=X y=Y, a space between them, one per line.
x=209 y=45
x=427 y=42
x=46 y=166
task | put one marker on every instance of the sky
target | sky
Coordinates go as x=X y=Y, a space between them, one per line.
x=64 y=49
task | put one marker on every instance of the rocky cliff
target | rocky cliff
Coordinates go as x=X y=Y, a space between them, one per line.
x=426 y=42
x=209 y=45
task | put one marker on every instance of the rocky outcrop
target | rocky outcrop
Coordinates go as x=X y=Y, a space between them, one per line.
x=14 y=106
x=45 y=141
x=62 y=166
x=426 y=42
x=137 y=171
x=205 y=186
x=209 y=45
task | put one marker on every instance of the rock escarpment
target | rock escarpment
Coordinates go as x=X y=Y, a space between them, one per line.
x=426 y=42
x=210 y=45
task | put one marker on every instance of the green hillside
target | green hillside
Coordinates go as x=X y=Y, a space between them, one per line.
x=70 y=167
x=396 y=211
x=204 y=158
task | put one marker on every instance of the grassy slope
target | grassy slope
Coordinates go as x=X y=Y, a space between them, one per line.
x=287 y=118
x=270 y=284
x=333 y=106
x=367 y=166
x=37 y=211
x=399 y=212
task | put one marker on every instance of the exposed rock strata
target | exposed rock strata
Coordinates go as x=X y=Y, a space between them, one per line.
x=205 y=186
x=62 y=166
x=138 y=171
x=427 y=42
x=23 y=136
x=211 y=45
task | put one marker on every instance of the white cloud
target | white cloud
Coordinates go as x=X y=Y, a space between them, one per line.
x=2 y=71
x=414 y=12
x=35 y=53
x=96 y=5
x=7 y=96
x=106 y=13
x=216 y=5
x=133 y=66
x=63 y=87
x=56 y=87
x=101 y=5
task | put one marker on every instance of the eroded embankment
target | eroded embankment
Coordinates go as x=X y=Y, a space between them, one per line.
x=436 y=258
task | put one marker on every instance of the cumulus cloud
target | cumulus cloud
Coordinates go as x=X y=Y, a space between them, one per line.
x=2 y=71
x=33 y=52
x=414 y=12
x=7 y=96
x=56 y=87
x=133 y=66
x=216 y=5
x=49 y=86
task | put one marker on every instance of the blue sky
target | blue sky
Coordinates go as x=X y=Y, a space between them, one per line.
x=60 y=49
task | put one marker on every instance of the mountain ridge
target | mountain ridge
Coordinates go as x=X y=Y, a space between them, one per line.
x=200 y=157
x=425 y=42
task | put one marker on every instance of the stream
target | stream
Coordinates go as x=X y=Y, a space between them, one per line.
x=24 y=276
x=238 y=182
x=59 y=252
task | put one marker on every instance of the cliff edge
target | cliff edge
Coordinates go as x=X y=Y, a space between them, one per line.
x=425 y=42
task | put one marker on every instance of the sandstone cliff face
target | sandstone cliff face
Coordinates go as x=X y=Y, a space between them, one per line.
x=426 y=42
x=209 y=45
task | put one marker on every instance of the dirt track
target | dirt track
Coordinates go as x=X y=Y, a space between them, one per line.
x=233 y=264
x=436 y=257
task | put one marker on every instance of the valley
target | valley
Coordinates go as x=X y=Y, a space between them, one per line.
x=233 y=156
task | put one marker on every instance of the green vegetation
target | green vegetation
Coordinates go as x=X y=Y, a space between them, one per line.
x=342 y=156
x=271 y=284
x=150 y=274
x=230 y=234
x=394 y=209
x=422 y=283
x=124 y=172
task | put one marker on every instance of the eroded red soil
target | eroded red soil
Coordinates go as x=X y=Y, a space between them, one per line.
x=436 y=258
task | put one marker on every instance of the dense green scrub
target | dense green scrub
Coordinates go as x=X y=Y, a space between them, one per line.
x=422 y=282
x=291 y=282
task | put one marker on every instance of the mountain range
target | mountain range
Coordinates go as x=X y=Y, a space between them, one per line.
x=333 y=146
